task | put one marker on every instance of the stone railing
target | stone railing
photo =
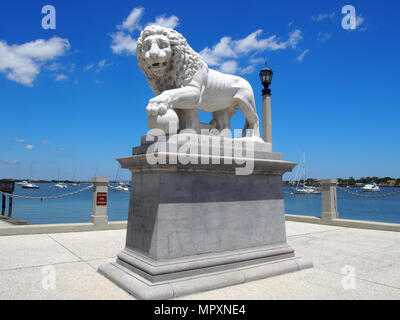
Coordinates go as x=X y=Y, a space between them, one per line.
x=98 y=218
x=330 y=214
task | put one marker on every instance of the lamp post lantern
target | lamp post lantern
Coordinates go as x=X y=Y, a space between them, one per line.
x=266 y=75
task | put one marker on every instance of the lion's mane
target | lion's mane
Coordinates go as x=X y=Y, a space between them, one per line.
x=185 y=62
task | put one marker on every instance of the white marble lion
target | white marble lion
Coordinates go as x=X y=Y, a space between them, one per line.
x=183 y=82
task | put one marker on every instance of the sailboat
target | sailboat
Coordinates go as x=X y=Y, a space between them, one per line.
x=60 y=185
x=304 y=189
x=75 y=183
x=120 y=186
x=28 y=184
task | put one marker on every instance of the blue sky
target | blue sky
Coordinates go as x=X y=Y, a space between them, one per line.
x=73 y=99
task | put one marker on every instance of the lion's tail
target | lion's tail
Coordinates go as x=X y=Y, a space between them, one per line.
x=246 y=126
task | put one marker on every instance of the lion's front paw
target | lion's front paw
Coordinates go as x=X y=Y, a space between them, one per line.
x=155 y=109
x=152 y=109
x=162 y=109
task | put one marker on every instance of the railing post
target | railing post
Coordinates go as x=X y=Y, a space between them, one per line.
x=3 y=204
x=10 y=203
x=99 y=201
x=329 y=200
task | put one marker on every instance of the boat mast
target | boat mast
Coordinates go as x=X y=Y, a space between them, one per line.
x=30 y=173
x=304 y=169
x=116 y=176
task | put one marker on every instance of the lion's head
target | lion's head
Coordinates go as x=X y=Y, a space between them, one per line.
x=166 y=59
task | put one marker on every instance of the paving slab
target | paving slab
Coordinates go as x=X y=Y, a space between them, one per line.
x=32 y=250
x=369 y=267
x=322 y=251
x=77 y=281
x=75 y=257
x=4 y=224
x=92 y=245
x=368 y=238
x=296 y=228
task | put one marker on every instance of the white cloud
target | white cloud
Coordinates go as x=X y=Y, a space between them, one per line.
x=53 y=67
x=294 y=38
x=249 y=69
x=170 y=22
x=131 y=23
x=29 y=147
x=20 y=140
x=89 y=67
x=230 y=66
x=324 y=36
x=301 y=57
x=256 y=60
x=223 y=49
x=22 y=63
x=323 y=16
x=99 y=66
x=252 y=43
x=226 y=52
x=123 y=43
x=46 y=142
x=102 y=63
x=360 y=22
x=61 y=77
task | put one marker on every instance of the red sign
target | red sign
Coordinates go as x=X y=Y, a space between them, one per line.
x=101 y=199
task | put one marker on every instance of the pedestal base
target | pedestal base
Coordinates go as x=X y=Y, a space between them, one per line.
x=199 y=225
x=148 y=279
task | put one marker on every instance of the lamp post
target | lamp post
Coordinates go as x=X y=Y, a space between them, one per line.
x=266 y=79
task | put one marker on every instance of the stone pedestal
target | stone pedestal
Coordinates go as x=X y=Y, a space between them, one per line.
x=199 y=226
x=329 y=200
x=99 y=201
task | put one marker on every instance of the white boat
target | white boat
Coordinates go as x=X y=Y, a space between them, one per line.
x=30 y=185
x=60 y=185
x=22 y=183
x=121 y=187
x=307 y=190
x=304 y=189
x=75 y=183
x=371 y=187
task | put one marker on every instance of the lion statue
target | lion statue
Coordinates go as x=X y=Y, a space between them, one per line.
x=182 y=81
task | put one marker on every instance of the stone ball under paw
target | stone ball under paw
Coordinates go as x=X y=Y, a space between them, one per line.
x=167 y=123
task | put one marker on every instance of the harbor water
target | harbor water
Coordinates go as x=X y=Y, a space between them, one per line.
x=77 y=208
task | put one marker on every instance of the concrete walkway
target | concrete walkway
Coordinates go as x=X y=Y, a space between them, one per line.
x=4 y=224
x=348 y=264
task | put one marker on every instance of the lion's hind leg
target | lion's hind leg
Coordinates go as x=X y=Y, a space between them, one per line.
x=247 y=105
x=222 y=120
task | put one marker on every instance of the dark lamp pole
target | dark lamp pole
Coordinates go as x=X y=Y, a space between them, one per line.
x=266 y=75
x=266 y=79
